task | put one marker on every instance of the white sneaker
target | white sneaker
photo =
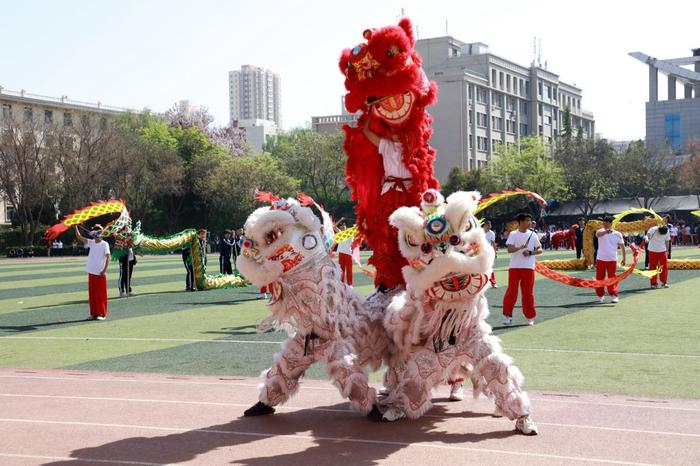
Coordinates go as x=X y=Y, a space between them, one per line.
x=601 y=300
x=100 y=318
x=666 y=285
x=497 y=412
x=507 y=320
x=526 y=425
x=456 y=392
x=530 y=321
x=615 y=299
x=122 y=294
x=393 y=414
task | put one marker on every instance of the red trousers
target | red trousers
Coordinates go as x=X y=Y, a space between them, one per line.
x=656 y=260
x=383 y=239
x=493 y=278
x=345 y=262
x=525 y=278
x=97 y=295
x=603 y=268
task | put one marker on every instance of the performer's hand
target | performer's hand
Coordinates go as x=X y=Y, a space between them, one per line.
x=623 y=262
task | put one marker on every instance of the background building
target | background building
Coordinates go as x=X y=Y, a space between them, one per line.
x=329 y=124
x=671 y=124
x=257 y=132
x=49 y=110
x=485 y=100
x=254 y=94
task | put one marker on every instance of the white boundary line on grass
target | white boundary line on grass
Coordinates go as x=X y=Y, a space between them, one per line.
x=328 y=439
x=276 y=342
x=330 y=410
x=307 y=386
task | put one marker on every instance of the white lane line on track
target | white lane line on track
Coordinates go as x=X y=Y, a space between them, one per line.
x=306 y=386
x=328 y=439
x=86 y=460
x=330 y=410
x=277 y=342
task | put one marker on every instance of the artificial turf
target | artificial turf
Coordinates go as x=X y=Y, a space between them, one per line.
x=645 y=345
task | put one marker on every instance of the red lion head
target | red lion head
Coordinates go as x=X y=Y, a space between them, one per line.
x=384 y=74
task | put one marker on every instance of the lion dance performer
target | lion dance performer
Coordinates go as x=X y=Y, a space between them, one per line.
x=390 y=162
x=284 y=250
x=439 y=323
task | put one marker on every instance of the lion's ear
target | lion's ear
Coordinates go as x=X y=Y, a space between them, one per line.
x=459 y=206
x=407 y=218
x=407 y=27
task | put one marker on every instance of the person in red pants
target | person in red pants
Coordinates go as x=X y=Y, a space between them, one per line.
x=345 y=261
x=609 y=241
x=491 y=239
x=658 y=241
x=97 y=263
x=523 y=245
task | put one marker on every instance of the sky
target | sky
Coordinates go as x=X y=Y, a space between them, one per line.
x=153 y=53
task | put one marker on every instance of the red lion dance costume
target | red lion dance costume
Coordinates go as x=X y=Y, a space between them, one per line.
x=384 y=79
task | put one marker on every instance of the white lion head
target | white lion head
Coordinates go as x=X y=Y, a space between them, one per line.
x=279 y=239
x=446 y=249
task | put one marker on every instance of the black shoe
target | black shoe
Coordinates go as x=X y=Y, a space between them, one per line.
x=375 y=415
x=382 y=288
x=258 y=409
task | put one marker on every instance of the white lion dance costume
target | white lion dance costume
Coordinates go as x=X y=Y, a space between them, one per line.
x=284 y=250
x=438 y=324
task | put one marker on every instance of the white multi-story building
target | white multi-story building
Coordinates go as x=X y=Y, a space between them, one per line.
x=255 y=94
x=22 y=106
x=485 y=100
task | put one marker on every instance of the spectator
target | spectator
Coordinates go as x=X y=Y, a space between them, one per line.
x=126 y=270
x=97 y=263
x=225 y=251
x=491 y=239
x=579 y=236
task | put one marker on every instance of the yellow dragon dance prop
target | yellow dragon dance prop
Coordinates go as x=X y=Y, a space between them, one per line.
x=126 y=237
x=91 y=212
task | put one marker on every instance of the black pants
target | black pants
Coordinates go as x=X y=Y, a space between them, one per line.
x=579 y=249
x=126 y=269
x=225 y=265
x=189 y=277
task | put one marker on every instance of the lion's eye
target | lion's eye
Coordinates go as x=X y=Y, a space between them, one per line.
x=392 y=51
x=411 y=242
x=468 y=226
x=271 y=236
x=455 y=240
x=426 y=248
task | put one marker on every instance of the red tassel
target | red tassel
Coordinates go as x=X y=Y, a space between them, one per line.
x=53 y=232
x=305 y=200
x=265 y=196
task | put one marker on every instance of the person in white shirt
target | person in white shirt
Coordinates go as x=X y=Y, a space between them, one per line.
x=97 y=263
x=491 y=239
x=345 y=259
x=609 y=241
x=523 y=245
x=658 y=240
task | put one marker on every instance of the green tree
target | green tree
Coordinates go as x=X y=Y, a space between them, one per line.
x=318 y=161
x=643 y=177
x=588 y=170
x=229 y=192
x=530 y=168
x=474 y=180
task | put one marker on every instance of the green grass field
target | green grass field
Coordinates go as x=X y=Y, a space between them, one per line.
x=646 y=345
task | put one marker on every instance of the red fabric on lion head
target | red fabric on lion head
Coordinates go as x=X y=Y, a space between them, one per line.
x=383 y=76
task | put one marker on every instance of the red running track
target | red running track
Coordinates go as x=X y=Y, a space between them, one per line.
x=85 y=418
